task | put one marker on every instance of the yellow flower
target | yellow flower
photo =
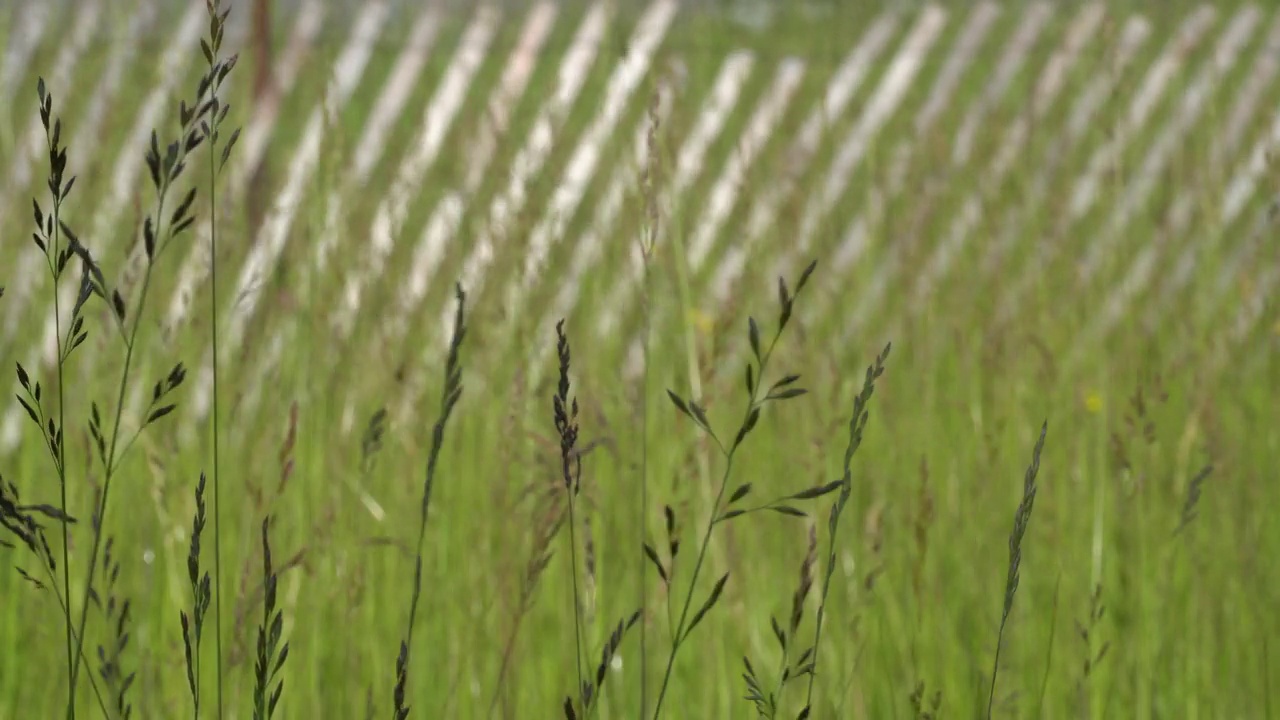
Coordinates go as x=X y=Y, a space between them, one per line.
x=1093 y=402
x=701 y=321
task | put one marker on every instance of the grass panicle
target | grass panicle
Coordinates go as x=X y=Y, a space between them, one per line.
x=201 y=592
x=160 y=229
x=589 y=691
x=791 y=667
x=548 y=518
x=1094 y=651
x=450 y=395
x=925 y=706
x=268 y=685
x=51 y=231
x=647 y=245
x=116 y=612
x=59 y=245
x=857 y=426
x=109 y=443
x=722 y=511
x=565 y=416
x=1021 y=518
x=1191 y=502
x=217 y=70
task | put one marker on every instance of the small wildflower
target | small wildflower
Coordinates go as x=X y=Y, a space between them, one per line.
x=1093 y=402
x=701 y=321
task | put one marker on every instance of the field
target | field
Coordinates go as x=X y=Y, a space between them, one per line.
x=1060 y=215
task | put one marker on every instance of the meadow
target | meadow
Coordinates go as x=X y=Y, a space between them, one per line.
x=470 y=372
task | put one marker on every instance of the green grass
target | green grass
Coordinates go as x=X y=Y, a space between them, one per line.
x=920 y=563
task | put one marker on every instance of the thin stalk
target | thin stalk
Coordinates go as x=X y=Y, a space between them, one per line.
x=644 y=504
x=995 y=669
x=217 y=498
x=688 y=600
x=822 y=607
x=112 y=457
x=1048 y=660
x=61 y=455
x=66 y=611
x=646 y=311
x=577 y=603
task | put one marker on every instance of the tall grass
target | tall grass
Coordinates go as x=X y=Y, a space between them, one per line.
x=810 y=653
x=211 y=128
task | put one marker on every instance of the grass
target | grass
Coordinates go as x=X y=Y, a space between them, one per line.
x=1142 y=584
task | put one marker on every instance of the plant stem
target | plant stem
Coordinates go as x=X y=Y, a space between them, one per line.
x=213 y=330
x=644 y=479
x=577 y=604
x=688 y=600
x=111 y=455
x=61 y=456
